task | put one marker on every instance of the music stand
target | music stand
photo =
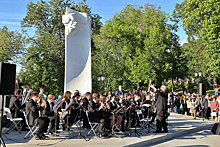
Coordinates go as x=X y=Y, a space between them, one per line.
x=129 y=123
x=113 y=132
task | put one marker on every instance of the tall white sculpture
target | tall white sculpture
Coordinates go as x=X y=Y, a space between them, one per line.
x=77 y=51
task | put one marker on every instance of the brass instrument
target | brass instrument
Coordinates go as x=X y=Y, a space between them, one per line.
x=66 y=111
x=58 y=103
x=26 y=94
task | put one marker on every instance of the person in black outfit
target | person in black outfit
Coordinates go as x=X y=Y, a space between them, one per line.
x=16 y=107
x=99 y=113
x=68 y=119
x=52 y=115
x=113 y=106
x=136 y=117
x=85 y=104
x=148 y=110
x=161 y=106
x=75 y=108
x=127 y=102
x=32 y=112
x=206 y=106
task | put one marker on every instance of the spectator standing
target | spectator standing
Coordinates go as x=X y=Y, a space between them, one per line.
x=206 y=107
x=216 y=90
x=193 y=108
x=188 y=106
x=214 y=108
x=218 y=99
x=119 y=91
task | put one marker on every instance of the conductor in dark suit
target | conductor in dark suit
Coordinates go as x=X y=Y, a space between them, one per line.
x=161 y=107
x=16 y=107
x=32 y=112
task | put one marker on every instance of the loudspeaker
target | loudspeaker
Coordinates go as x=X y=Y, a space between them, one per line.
x=202 y=89
x=7 y=99
x=7 y=78
x=216 y=129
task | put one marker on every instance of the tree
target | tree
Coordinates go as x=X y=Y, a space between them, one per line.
x=200 y=20
x=138 y=42
x=44 y=62
x=12 y=44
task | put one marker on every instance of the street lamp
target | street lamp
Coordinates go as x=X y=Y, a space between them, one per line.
x=198 y=74
x=101 y=78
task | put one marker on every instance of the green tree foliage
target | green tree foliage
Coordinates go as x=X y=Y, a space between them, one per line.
x=200 y=20
x=12 y=44
x=136 y=45
x=44 y=61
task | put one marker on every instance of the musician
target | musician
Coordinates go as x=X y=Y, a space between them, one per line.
x=75 y=108
x=127 y=102
x=121 y=113
x=109 y=96
x=113 y=106
x=134 y=115
x=161 y=106
x=68 y=120
x=32 y=112
x=147 y=110
x=51 y=114
x=16 y=108
x=96 y=113
x=86 y=101
x=136 y=101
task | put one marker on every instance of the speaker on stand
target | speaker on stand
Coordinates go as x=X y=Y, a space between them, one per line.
x=7 y=86
x=202 y=89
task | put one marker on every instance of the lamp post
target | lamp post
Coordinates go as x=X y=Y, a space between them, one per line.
x=198 y=74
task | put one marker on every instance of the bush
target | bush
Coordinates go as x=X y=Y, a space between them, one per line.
x=211 y=92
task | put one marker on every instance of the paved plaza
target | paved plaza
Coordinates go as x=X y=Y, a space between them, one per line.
x=179 y=125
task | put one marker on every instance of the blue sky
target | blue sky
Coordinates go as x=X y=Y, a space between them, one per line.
x=12 y=11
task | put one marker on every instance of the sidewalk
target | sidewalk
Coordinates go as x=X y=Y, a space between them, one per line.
x=178 y=125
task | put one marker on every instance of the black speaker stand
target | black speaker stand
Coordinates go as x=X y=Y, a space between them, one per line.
x=2 y=109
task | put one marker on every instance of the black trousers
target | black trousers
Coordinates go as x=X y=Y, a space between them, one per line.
x=43 y=123
x=104 y=123
x=161 y=121
x=56 y=120
x=21 y=115
x=85 y=119
x=206 y=115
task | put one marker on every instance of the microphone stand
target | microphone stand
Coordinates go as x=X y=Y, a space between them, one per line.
x=136 y=118
x=55 y=134
x=80 y=128
x=129 y=122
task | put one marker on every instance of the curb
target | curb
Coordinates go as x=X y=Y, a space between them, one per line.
x=170 y=136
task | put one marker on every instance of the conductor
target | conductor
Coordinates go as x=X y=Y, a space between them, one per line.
x=161 y=107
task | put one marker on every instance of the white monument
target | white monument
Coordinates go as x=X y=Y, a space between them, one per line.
x=77 y=51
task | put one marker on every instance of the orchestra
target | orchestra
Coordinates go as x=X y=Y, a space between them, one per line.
x=113 y=113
